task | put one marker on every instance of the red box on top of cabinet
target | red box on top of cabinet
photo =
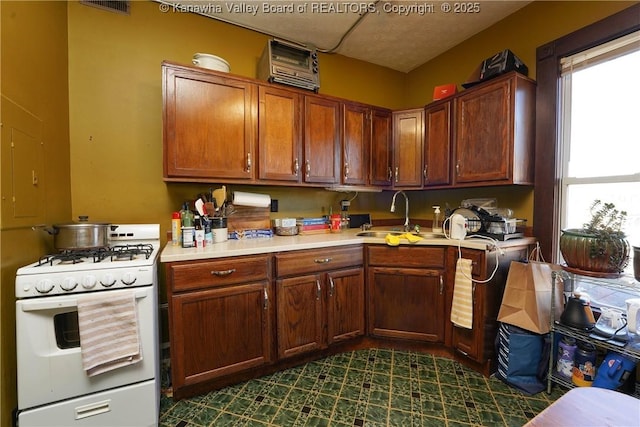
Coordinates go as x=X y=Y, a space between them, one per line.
x=443 y=91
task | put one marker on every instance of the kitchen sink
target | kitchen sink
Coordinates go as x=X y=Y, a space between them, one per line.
x=378 y=233
x=383 y=233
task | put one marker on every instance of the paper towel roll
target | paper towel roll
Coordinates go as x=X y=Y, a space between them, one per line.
x=251 y=199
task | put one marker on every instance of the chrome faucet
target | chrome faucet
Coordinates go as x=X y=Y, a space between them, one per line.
x=406 y=208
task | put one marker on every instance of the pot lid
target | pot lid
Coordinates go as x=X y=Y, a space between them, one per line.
x=83 y=221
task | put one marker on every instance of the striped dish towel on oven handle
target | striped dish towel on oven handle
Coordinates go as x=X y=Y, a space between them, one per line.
x=108 y=327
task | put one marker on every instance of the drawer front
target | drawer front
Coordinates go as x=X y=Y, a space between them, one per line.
x=186 y=276
x=311 y=261
x=407 y=256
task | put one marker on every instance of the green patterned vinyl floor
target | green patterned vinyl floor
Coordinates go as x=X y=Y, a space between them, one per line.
x=362 y=388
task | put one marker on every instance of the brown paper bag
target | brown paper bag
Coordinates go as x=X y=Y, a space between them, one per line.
x=526 y=301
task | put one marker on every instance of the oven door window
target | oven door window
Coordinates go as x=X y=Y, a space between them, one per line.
x=66 y=328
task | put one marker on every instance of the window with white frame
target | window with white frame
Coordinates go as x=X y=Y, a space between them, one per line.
x=600 y=132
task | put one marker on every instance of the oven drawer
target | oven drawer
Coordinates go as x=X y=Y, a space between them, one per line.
x=314 y=260
x=186 y=276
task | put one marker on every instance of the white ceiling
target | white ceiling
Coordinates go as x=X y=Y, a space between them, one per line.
x=390 y=34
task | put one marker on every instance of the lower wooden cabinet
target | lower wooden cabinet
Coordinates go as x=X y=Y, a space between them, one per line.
x=220 y=332
x=320 y=299
x=221 y=325
x=406 y=292
x=231 y=318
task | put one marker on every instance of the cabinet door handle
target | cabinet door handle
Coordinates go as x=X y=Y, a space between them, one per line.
x=222 y=273
x=346 y=170
x=441 y=285
x=332 y=286
x=396 y=174
x=457 y=168
x=322 y=260
x=318 y=290
x=308 y=167
x=424 y=173
x=266 y=299
x=296 y=167
x=389 y=174
x=248 y=162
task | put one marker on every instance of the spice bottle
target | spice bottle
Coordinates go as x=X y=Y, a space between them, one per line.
x=199 y=232
x=176 y=229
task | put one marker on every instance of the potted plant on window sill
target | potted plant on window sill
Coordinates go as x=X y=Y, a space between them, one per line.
x=600 y=247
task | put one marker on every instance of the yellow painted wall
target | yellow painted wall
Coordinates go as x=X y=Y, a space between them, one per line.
x=33 y=83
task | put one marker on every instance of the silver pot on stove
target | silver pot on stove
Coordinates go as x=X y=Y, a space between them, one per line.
x=80 y=235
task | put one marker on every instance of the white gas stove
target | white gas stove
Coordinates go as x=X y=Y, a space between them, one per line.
x=54 y=388
x=127 y=262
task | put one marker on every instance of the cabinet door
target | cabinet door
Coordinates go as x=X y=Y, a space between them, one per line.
x=437 y=145
x=299 y=319
x=209 y=125
x=381 y=159
x=406 y=303
x=484 y=137
x=345 y=307
x=408 y=138
x=219 y=332
x=279 y=134
x=321 y=140
x=355 y=143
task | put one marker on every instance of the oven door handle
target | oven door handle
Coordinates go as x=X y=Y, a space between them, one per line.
x=40 y=304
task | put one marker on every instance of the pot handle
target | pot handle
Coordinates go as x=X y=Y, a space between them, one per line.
x=52 y=231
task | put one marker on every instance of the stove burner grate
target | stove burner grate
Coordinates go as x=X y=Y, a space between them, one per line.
x=114 y=253
x=75 y=256
x=129 y=252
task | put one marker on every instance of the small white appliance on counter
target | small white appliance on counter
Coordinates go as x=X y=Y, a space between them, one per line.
x=54 y=389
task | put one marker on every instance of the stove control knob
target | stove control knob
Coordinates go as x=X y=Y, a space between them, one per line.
x=108 y=280
x=88 y=282
x=44 y=286
x=128 y=278
x=69 y=284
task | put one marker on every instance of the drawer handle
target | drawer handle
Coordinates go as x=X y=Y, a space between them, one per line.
x=221 y=273
x=322 y=260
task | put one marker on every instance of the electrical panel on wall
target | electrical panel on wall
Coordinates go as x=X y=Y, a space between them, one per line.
x=23 y=195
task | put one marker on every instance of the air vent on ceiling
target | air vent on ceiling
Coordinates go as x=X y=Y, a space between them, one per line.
x=118 y=6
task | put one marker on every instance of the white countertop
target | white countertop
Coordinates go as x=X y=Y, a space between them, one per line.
x=172 y=253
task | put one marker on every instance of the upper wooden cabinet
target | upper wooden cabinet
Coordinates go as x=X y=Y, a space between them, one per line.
x=408 y=142
x=437 y=144
x=381 y=158
x=279 y=134
x=356 y=139
x=209 y=126
x=238 y=130
x=494 y=132
x=366 y=145
x=321 y=140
